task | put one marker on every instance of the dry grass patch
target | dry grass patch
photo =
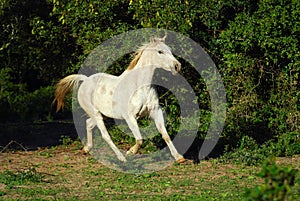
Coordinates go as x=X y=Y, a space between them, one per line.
x=67 y=174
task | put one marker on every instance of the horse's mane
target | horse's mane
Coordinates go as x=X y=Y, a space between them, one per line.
x=137 y=55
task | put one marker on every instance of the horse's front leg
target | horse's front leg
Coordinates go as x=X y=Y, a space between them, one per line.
x=132 y=124
x=158 y=118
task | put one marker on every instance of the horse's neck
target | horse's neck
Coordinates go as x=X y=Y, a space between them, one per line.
x=142 y=75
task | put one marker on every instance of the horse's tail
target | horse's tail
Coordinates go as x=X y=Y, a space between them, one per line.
x=65 y=86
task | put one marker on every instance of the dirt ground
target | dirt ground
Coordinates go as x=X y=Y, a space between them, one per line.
x=68 y=173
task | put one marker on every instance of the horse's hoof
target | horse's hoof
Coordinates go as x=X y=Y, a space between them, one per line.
x=123 y=159
x=181 y=160
x=131 y=151
x=85 y=150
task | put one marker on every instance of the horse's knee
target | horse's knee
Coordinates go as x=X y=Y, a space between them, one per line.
x=90 y=124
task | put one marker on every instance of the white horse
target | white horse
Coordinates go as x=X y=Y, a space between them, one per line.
x=128 y=96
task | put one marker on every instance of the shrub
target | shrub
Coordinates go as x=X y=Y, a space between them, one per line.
x=260 y=67
x=248 y=152
x=278 y=183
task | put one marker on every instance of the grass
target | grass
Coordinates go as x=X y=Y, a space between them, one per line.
x=64 y=173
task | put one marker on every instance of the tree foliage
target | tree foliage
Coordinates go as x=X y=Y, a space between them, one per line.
x=260 y=64
x=254 y=44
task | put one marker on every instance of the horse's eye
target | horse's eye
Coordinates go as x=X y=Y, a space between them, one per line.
x=160 y=52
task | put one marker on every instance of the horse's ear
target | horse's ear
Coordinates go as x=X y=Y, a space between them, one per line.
x=153 y=40
x=156 y=39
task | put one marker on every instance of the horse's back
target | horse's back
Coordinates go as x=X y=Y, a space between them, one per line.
x=114 y=99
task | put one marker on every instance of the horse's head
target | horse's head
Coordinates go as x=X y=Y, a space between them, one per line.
x=157 y=54
x=162 y=56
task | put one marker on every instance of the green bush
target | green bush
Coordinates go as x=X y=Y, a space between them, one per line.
x=26 y=106
x=285 y=145
x=248 y=152
x=260 y=67
x=278 y=183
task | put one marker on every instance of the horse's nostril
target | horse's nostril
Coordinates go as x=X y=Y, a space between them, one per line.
x=177 y=67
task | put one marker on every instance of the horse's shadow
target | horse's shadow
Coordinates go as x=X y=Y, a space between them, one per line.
x=31 y=136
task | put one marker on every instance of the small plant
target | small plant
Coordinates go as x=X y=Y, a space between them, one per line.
x=278 y=183
x=66 y=140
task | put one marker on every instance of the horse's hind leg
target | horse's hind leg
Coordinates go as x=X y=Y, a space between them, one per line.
x=89 y=132
x=96 y=119
x=157 y=115
x=107 y=138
